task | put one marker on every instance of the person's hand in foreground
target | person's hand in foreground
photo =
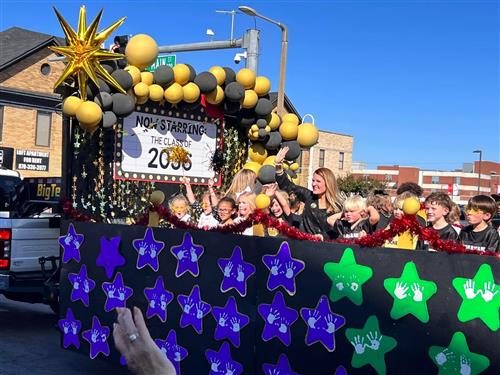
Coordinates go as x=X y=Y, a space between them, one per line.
x=133 y=340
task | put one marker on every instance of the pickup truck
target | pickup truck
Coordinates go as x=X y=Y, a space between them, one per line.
x=29 y=231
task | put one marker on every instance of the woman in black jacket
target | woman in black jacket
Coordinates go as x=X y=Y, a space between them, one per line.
x=323 y=204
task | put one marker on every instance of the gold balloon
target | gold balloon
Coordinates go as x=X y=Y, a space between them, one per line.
x=269 y=160
x=216 y=96
x=411 y=206
x=253 y=166
x=141 y=51
x=135 y=73
x=257 y=152
x=141 y=89
x=141 y=99
x=290 y=117
x=147 y=78
x=157 y=197
x=308 y=135
x=83 y=52
x=262 y=85
x=254 y=128
x=250 y=99
x=89 y=113
x=289 y=131
x=156 y=93
x=181 y=74
x=262 y=201
x=273 y=121
x=174 y=93
x=246 y=78
x=71 y=104
x=294 y=166
x=191 y=92
x=219 y=73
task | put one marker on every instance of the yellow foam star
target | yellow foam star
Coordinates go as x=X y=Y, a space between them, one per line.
x=84 y=53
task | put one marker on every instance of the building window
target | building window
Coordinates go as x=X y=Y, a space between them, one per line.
x=388 y=177
x=43 y=120
x=299 y=162
x=1 y=122
x=457 y=180
x=321 y=158
x=341 y=160
x=435 y=180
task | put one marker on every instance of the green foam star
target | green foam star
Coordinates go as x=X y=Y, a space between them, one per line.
x=347 y=278
x=370 y=346
x=480 y=297
x=457 y=358
x=410 y=294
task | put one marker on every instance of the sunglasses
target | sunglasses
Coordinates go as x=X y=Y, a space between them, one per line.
x=473 y=211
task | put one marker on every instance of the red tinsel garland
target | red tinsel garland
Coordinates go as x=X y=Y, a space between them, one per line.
x=377 y=239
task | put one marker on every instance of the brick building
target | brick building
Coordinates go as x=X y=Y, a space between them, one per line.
x=460 y=185
x=30 y=118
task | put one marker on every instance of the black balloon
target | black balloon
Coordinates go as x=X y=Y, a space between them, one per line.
x=247 y=121
x=231 y=107
x=123 y=105
x=104 y=100
x=206 y=81
x=93 y=90
x=164 y=76
x=263 y=107
x=258 y=187
x=108 y=119
x=273 y=141
x=109 y=65
x=262 y=133
x=291 y=173
x=192 y=73
x=261 y=123
x=267 y=174
x=294 y=150
x=123 y=78
x=234 y=92
x=230 y=75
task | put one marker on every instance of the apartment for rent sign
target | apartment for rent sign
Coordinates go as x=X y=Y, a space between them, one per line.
x=31 y=160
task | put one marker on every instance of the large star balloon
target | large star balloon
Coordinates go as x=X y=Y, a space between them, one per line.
x=83 y=52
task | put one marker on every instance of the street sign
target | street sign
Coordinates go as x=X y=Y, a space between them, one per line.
x=162 y=60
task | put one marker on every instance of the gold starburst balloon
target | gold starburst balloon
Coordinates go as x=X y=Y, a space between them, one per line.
x=84 y=53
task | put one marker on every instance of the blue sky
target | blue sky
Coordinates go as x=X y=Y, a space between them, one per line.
x=415 y=82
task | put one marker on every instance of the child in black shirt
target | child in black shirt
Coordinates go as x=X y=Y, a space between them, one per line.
x=358 y=220
x=480 y=234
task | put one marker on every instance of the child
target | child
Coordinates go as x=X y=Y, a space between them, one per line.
x=405 y=240
x=243 y=181
x=206 y=219
x=454 y=217
x=246 y=206
x=280 y=209
x=179 y=207
x=437 y=208
x=354 y=222
x=226 y=209
x=480 y=234
x=382 y=203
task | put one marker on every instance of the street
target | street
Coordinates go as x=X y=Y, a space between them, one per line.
x=29 y=344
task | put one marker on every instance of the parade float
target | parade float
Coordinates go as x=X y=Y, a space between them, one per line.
x=217 y=302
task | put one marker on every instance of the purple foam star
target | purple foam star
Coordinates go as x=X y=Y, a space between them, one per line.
x=187 y=255
x=158 y=299
x=82 y=285
x=278 y=319
x=229 y=322
x=340 y=371
x=97 y=337
x=321 y=324
x=193 y=309
x=174 y=352
x=116 y=293
x=70 y=328
x=280 y=368
x=71 y=243
x=221 y=362
x=236 y=272
x=110 y=257
x=148 y=250
x=283 y=269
